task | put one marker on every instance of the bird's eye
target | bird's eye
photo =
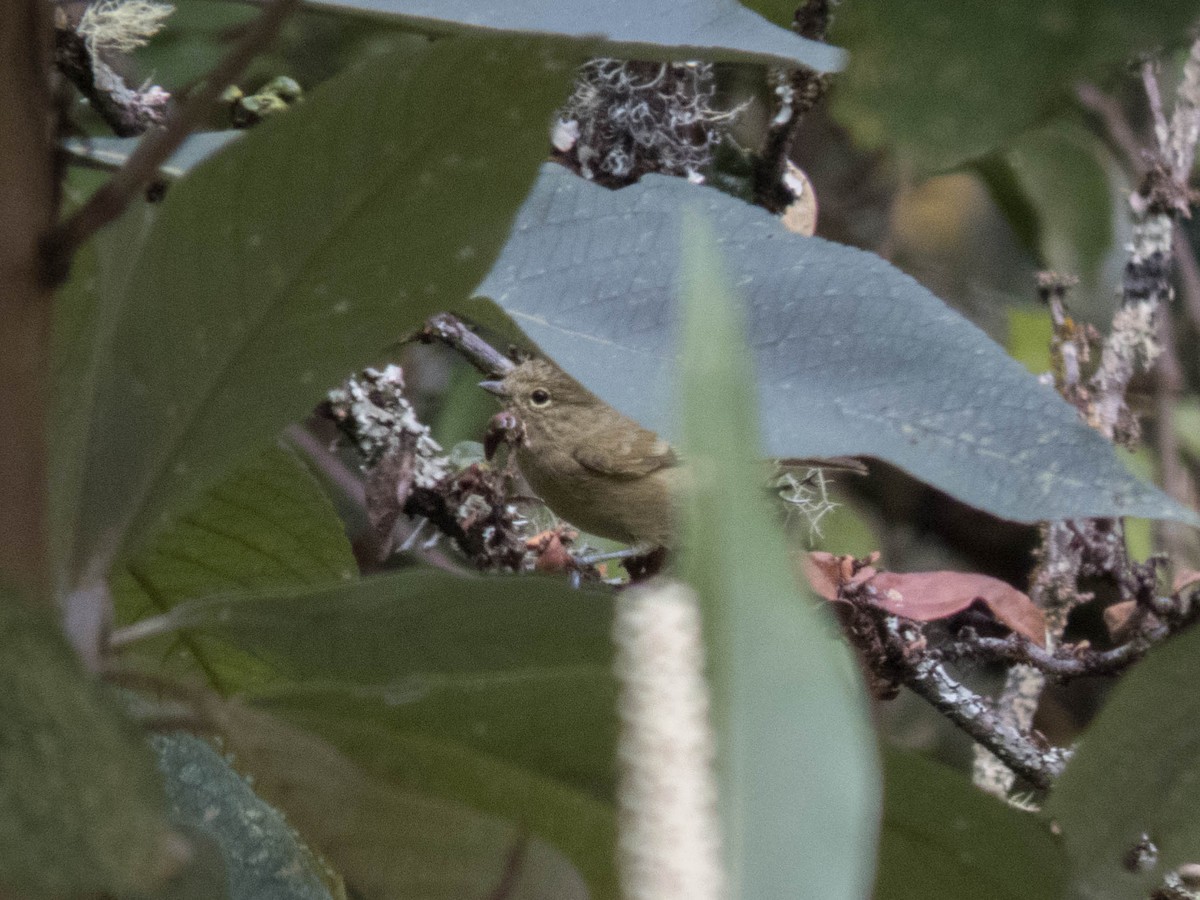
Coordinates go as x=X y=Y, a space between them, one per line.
x=540 y=398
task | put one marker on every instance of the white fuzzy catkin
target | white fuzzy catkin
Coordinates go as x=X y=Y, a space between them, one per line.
x=669 y=837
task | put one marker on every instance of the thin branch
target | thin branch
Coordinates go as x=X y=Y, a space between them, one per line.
x=514 y=865
x=1178 y=540
x=1163 y=195
x=1115 y=123
x=127 y=111
x=325 y=461
x=1062 y=663
x=1189 y=277
x=452 y=331
x=1167 y=388
x=1184 y=132
x=143 y=629
x=923 y=673
x=1149 y=73
x=797 y=91
x=1060 y=550
x=112 y=199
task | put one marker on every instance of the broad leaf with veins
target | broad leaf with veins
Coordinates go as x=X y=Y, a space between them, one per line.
x=635 y=29
x=853 y=356
x=287 y=260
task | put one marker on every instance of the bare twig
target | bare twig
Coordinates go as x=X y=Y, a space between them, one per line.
x=350 y=484
x=1149 y=73
x=798 y=91
x=1062 y=663
x=112 y=199
x=1189 y=277
x=142 y=629
x=1116 y=124
x=452 y=331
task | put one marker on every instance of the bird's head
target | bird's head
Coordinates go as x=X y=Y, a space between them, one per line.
x=544 y=397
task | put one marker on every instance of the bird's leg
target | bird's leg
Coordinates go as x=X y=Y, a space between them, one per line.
x=627 y=553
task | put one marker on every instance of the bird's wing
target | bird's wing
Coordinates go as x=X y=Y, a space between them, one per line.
x=628 y=456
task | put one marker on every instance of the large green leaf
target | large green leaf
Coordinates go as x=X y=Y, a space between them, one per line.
x=853 y=356
x=797 y=771
x=636 y=29
x=1054 y=187
x=83 y=809
x=496 y=692
x=291 y=258
x=268 y=525
x=944 y=838
x=86 y=313
x=575 y=821
x=391 y=843
x=1136 y=771
x=945 y=82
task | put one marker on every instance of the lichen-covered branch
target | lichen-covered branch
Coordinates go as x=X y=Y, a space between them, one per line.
x=408 y=475
x=898 y=651
x=797 y=91
x=1162 y=197
x=126 y=110
x=1067 y=661
x=1071 y=550
x=112 y=199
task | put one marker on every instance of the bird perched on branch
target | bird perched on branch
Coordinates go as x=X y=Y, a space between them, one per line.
x=594 y=466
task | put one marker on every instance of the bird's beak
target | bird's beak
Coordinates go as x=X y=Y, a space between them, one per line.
x=495 y=387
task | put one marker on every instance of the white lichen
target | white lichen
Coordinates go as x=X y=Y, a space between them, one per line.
x=121 y=26
x=373 y=410
x=807 y=496
x=627 y=118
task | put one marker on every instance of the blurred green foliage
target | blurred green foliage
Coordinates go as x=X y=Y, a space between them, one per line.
x=422 y=730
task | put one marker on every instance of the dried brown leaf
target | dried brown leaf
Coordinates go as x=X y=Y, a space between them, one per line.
x=1117 y=619
x=823 y=571
x=551 y=550
x=1184 y=579
x=928 y=596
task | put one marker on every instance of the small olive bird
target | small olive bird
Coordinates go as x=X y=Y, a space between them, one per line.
x=595 y=467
